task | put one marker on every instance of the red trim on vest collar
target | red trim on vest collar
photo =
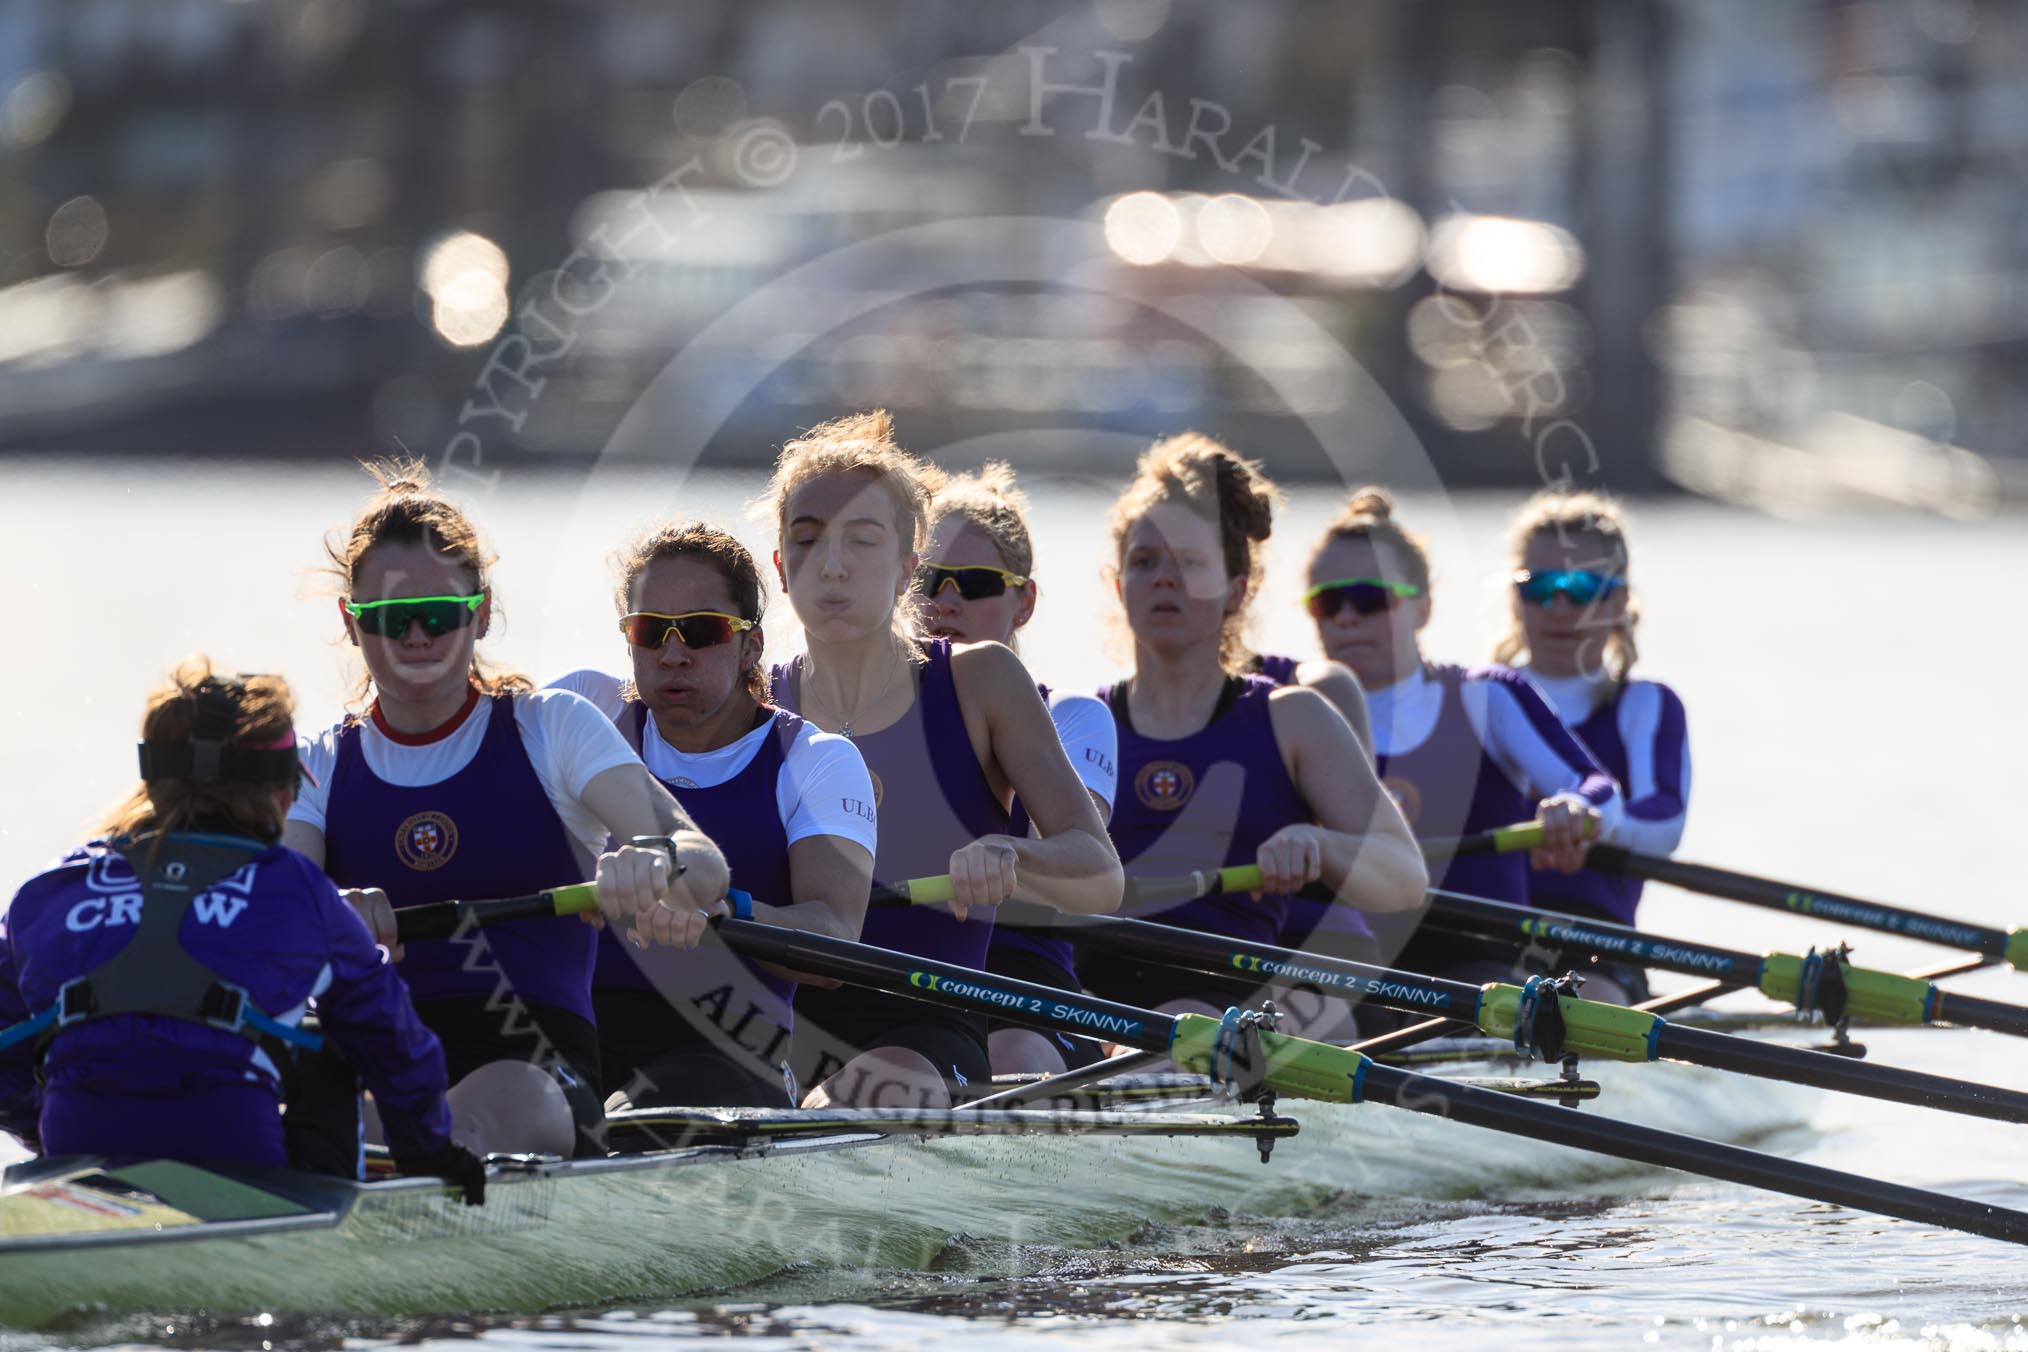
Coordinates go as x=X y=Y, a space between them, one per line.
x=436 y=734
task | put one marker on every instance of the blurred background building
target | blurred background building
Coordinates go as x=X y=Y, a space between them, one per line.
x=1766 y=251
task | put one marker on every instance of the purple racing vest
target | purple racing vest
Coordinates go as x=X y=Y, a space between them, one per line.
x=932 y=799
x=1206 y=801
x=1586 y=891
x=1310 y=912
x=1278 y=668
x=743 y=818
x=487 y=831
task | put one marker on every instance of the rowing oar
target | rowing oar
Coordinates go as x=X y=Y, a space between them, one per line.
x=1297 y=1068
x=2009 y=946
x=442 y=919
x=1692 y=996
x=1522 y=1014
x=1822 y=983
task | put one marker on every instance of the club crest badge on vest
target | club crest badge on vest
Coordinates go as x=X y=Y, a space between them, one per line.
x=426 y=841
x=1164 y=785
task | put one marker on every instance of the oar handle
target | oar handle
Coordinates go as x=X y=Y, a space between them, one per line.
x=912 y=892
x=442 y=919
x=1499 y=840
x=1237 y=878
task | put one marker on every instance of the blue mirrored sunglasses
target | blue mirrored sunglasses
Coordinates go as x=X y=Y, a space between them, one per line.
x=1580 y=586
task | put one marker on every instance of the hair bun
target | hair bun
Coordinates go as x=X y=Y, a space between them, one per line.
x=1373 y=502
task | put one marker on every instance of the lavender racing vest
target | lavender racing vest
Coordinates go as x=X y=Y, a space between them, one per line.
x=932 y=799
x=1043 y=944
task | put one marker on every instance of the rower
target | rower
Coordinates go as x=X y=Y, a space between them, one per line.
x=1313 y=922
x=1461 y=750
x=948 y=733
x=160 y=974
x=1219 y=768
x=1573 y=621
x=461 y=782
x=791 y=807
x=977 y=585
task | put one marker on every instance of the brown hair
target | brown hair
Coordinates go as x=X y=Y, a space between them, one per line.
x=407 y=511
x=1369 y=516
x=861 y=443
x=727 y=556
x=1219 y=485
x=1564 y=514
x=264 y=713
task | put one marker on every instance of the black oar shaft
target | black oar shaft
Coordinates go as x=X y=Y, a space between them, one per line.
x=1221 y=956
x=1498 y=920
x=1311 y=1070
x=1972 y=1012
x=1888 y=997
x=1782 y=896
x=1021 y=1002
x=1584 y=1131
x=1897 y=1085
x=441 y=919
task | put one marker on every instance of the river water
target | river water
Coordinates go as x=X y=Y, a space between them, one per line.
x=1801 y=648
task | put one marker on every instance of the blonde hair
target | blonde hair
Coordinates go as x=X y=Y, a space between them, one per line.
x=264 y=713
x=863 y=444
x=407 y=511
x=990 y=500
x=710 y=546
x=1369 y=515
x=1194 y=471
x=1563 y=514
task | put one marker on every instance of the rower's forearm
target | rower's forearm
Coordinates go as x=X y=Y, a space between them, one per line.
x=815 y=916
x=1072 y=871
x=1380 y=873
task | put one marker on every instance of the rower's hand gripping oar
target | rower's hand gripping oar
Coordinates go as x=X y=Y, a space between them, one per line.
x=1231 y=1049
x=1522 y=1014
x=2008 y=946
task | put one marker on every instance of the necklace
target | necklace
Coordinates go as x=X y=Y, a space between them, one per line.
x=845 y=725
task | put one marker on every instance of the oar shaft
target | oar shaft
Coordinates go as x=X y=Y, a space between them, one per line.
x=442 y=919
x=1972 y=1012
x=1302 y=1069
x=1796 y=1065
x=1780 y=896
x=1594 y=1029
x=1499 y=920
x=1221 y=956
x=1586 y=1131
x=943 y=983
